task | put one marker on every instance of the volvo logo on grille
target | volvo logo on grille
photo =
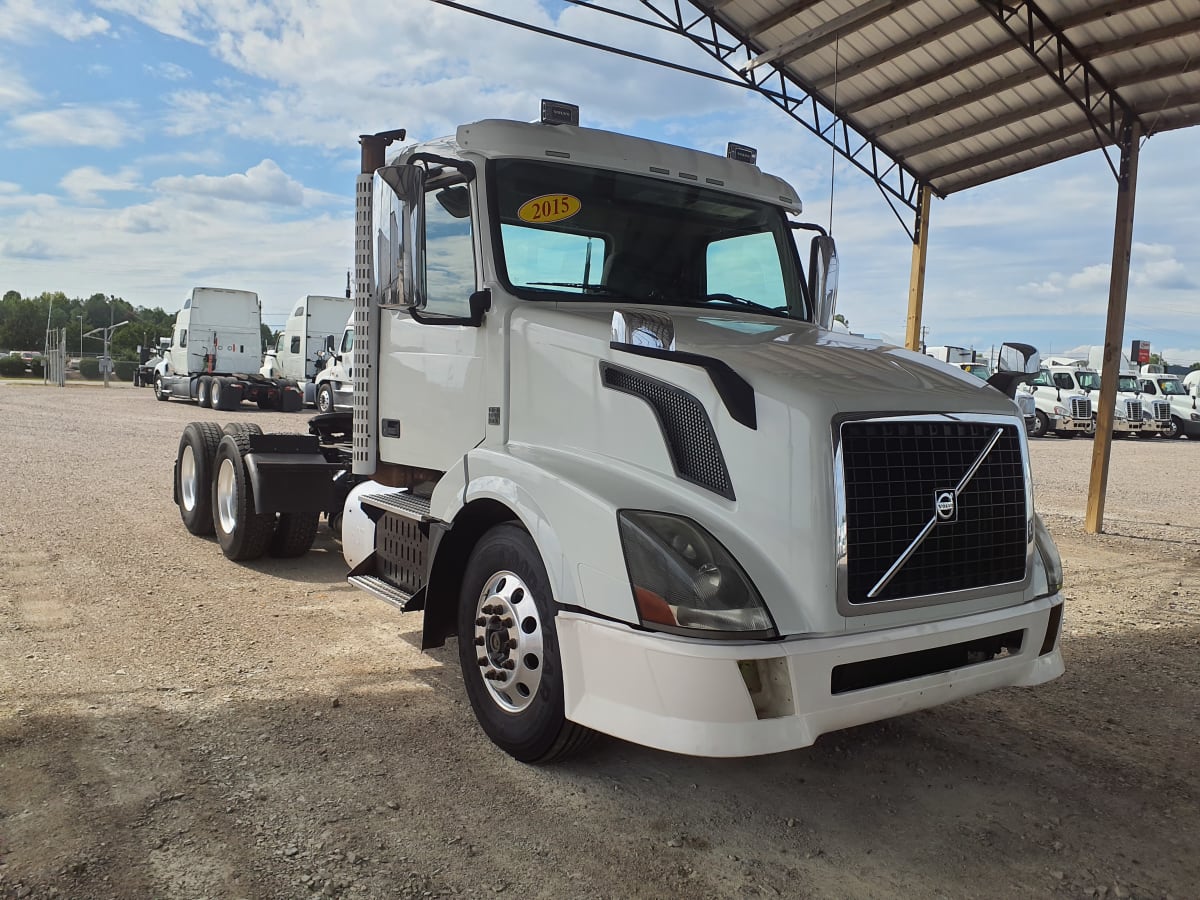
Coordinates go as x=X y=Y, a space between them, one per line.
x=946 y=505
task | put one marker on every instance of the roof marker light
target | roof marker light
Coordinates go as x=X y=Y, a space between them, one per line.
x=555 y=112
x=741 y=153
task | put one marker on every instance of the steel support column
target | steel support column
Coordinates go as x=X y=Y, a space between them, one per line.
x=1114 y=330
x=916 y=278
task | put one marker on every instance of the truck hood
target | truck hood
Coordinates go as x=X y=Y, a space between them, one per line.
x=783 y=358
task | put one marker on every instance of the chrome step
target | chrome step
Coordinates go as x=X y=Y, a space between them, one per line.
x=402 y=502
x=386 y=592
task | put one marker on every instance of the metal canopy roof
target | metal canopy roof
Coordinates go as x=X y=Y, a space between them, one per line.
x=944 y=94
x=963 y=92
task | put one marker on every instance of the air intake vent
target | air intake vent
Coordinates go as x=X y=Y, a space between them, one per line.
x=897 y=478
x=691 y=441
x=1081 y=408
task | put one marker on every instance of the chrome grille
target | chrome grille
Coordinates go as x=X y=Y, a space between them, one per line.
x=1133 y=410
x=1081 y=408
x=894 y=470
x=1162 y=411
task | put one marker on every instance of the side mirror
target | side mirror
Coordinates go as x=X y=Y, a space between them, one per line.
x=398 y=214
x=822 y=279
x=1016 y=364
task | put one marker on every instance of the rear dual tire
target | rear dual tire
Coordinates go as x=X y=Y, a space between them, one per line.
x=194 y=473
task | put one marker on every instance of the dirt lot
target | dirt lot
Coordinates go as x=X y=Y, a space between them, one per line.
x=173 y=725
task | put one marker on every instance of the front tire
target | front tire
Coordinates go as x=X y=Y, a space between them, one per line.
x=325 y=402
x=508 y=649
x=194 y=475
x=1175 y=429
x=159 y=393
x=1041 y=425
x=242 y=532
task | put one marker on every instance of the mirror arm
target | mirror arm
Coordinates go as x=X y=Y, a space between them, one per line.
x=479 y=302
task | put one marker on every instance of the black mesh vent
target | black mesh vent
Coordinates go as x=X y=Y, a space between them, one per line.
x=400 y=551
x=691 y=441
x=894 y=471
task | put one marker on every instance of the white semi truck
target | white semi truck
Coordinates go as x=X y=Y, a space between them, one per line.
x=1062 y=401
x=1155 y=412
x=334 y=383
x=604 y=435
x=310 y=335
x=1160 y=388
x=215 y=354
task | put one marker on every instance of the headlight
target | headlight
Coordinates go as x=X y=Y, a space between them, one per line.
x=684 y=581
x=1060 y=411
x=1051 y=561
x=1195 y=417
x=1119 y=413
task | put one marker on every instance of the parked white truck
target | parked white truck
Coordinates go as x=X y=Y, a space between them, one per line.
x=1062 y=400
x=605 y=437
x=215 y=354
x=1155 y=413
x=1161 y=387
x=334 y=384
x=309 y=337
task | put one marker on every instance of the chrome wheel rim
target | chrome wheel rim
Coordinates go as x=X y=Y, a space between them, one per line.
x=508 y=641
x=215 y=390
x=187 y=478
x=227 y=496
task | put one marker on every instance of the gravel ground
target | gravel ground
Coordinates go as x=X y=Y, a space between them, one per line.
x=173 y=725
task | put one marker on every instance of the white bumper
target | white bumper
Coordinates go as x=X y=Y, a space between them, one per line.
x=1066 y=423
x=689 y=696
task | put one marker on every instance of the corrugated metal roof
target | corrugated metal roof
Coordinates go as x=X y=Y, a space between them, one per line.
x=964 y=92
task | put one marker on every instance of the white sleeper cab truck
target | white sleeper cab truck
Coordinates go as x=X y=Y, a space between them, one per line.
x=1063 y=405
x=308 y=338
x=1163 y=389
x=334 y=383
x=605 y=437
x=1155 y=415
x=215 y=354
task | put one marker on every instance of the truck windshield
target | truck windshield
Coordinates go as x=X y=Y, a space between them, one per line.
x=1088 y=381
x=1171 y=387
x=1128 y=383
x=572 y=233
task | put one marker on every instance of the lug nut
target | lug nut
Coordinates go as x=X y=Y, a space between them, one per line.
x=512 y=643
x=507 y=622
x=482 y=660
x=479 y=641
x=481 y=621
x=509 y=664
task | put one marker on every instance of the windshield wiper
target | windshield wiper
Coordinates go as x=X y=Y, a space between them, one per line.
x=753 y=304
x=590 y=288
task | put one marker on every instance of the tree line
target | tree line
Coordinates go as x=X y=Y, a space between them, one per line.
x=24 y=321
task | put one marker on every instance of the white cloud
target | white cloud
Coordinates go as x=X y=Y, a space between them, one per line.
x=168 y=71
x=20 y=20
x=71 y=125
x=9 y=187
x=87 y=183
x=263 y=183
x=15 y=91
x=26 y=248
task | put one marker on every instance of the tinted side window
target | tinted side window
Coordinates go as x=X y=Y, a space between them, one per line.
x=295 y=343
x=449 y=252
x=1064 y=381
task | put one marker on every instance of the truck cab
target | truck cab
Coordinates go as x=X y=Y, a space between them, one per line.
x=1062 y=399
x=304 y=345
x=1167 y=390
x=334 y=384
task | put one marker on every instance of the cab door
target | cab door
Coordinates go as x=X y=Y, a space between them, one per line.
x=432 y=405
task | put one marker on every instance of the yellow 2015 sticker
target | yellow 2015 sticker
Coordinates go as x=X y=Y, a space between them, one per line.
x=549 y=208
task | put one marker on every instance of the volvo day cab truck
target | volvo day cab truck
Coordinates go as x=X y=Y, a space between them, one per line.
x=605 y=438
x=214 y=355
x=309 y=337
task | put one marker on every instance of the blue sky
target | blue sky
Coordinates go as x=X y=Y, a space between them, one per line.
x=148 y=146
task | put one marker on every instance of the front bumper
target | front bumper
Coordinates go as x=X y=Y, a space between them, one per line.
x=692 y=696
x=1132 y=426
x=1066 y=423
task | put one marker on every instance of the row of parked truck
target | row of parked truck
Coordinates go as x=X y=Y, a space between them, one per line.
x=213 y=355
x=1059 y=400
